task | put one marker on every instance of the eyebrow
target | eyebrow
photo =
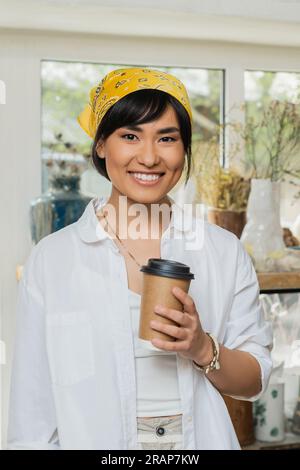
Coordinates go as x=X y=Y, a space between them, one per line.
x=165 y=130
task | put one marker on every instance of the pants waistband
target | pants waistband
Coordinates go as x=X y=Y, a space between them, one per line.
x=172 y=429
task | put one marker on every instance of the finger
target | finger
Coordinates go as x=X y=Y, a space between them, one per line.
x=171 y=330
x=185 y=299
x=178 y=317
x=168 y=345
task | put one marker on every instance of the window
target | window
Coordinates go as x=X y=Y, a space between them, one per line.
x=65 y=87
x=260 y=89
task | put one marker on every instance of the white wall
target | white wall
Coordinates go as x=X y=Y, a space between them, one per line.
x=258 y=22
x=20 y=177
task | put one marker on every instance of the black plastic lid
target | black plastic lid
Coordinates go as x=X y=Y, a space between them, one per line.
x=167 y=268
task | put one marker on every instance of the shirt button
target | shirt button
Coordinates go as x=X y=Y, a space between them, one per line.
x=160 y=431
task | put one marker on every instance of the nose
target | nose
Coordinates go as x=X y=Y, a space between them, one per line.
x=148 y=155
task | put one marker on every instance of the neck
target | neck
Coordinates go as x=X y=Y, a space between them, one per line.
x=149 y=219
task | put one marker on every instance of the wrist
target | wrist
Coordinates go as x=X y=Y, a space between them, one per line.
x=214 y=364
x=205 y=356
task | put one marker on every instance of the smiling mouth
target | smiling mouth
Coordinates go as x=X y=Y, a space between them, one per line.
x=147 y=173
x=150 y=178
x=141 y=174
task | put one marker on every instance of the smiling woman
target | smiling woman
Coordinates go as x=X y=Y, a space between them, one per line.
x=78 y=362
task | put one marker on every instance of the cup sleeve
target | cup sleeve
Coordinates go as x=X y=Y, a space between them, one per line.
x=246 y=328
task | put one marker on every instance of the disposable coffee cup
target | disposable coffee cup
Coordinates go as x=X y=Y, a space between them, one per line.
x=159 y=278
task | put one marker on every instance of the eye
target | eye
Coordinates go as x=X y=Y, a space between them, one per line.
x=172 y=139
x=129 y=136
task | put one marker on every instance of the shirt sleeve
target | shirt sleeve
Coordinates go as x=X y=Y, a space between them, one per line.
x=246 y=328
x=32 y=419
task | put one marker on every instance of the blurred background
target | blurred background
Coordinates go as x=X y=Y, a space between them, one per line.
x=240 y=63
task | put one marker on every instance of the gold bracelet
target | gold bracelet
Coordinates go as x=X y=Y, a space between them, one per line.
x=214 y=364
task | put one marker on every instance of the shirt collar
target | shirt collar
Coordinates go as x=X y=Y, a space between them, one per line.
x=91 y=230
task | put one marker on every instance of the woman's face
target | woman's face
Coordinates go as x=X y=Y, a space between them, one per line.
x=145 y=162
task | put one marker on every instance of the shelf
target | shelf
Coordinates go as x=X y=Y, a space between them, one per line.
x=279 y=282
x=291 y=441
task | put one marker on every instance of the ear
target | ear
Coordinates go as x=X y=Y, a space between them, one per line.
x=100 y=149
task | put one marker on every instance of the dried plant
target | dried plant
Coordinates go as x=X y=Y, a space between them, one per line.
x=218 y=187
x=272 y=142
x=64 y=163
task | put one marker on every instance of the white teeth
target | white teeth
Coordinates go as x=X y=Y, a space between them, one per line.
x=144 y=177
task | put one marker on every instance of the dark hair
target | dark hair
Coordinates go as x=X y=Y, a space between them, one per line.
x=139 y=107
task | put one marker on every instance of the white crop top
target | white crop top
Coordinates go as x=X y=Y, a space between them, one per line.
x=156 y=373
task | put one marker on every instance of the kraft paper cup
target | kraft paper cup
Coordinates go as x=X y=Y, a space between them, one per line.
x=159 y=277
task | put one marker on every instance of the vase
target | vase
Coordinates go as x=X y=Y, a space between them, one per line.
x=268 y=413
x=296 y=418
x=60 y=206
x=262 y=236
x=240 y=412
x=230 y=220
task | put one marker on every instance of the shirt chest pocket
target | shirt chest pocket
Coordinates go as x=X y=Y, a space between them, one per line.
x=70 y=347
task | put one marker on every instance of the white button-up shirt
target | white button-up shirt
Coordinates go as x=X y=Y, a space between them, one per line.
x=73 y=383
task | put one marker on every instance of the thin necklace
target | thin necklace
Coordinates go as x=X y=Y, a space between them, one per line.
x=126 y=249
x=108 y=224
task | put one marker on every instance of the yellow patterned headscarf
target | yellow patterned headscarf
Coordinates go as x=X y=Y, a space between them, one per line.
x=121 y=82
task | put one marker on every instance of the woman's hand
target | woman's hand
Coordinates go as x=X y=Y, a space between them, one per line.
x=191 y=341
x=244 y=379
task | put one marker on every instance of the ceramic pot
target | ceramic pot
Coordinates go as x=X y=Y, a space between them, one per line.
x=262 y=235
x=240 y=412
x=268 y=414
x=62 y=205
x=230 y=220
